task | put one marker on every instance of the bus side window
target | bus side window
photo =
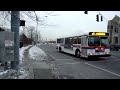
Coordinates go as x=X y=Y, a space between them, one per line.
x=79 y=40
x=75 y=41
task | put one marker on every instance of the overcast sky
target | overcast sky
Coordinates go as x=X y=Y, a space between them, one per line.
x=68 y=23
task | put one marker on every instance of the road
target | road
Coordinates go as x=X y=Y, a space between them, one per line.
x=68 y=66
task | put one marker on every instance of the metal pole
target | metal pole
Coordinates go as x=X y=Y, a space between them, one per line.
x=36 y=30
x=15 y=23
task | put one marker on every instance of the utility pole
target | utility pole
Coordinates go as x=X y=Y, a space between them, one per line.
x=36 y=27
x=37 y=31
x=15 y=23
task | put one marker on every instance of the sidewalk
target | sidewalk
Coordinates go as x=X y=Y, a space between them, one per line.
x=37 y=69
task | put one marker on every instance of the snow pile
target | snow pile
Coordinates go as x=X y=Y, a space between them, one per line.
x=23 y=74
x=22 y=53
x=37 y=54
x=38 y=44
x=13 y=74
x=4 y=72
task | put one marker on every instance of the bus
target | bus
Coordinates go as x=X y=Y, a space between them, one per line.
x=92 y=44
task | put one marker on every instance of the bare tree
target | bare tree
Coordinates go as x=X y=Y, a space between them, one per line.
x=4 y=18
x=30 y=32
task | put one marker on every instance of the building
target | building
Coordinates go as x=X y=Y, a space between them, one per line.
x=25 y=40
x=113 y=28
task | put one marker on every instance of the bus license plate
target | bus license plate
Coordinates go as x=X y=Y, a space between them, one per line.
x=99 y=53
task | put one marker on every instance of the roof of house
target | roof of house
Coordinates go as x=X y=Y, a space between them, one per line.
x=116 y=19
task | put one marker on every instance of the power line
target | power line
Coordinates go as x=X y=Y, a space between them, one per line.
x=29 y=17
x=36 y=19
x=32 y=19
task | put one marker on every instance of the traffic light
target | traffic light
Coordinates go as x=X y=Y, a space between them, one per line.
x=86 y=12
x=101 y=18
x=97 y=18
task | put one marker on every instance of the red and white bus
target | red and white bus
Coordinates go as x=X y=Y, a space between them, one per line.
x=93 y=44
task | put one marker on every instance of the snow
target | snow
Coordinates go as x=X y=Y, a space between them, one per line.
x=36 y=53
x=4 y=72
x=22 y=53
x=13 y=74
x=22 y=73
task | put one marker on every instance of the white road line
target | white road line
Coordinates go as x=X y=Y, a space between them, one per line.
x=103 y=69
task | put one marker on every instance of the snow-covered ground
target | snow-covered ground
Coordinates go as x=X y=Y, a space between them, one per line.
x=37 y=54
x=13 y=74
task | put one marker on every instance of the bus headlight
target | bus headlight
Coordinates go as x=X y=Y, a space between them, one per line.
x=108 y=53
x=90 y=53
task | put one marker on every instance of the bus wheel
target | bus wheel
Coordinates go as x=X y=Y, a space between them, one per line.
x=117 y=49
x=60 y=49
x=77 y=54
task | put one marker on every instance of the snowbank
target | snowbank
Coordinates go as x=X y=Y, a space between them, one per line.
x=37 y=54
x=22 y=53
x=34 y=53
x=4 y=72
x=13 y=74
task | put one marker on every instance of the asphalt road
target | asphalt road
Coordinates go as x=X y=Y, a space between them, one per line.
x=67 y=66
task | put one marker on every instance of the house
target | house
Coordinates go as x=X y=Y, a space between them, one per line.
x=113 y=28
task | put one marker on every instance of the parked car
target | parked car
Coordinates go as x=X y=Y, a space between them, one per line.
x=114 y=47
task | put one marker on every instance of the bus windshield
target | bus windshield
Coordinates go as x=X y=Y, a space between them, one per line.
x=104 y=41
x=97 y=41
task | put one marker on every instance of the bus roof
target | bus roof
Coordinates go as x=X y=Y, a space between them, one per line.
x=89 y=34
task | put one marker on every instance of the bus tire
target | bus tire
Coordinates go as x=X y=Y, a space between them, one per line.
x=117 y=49
x=60 y=50
x=77 y=53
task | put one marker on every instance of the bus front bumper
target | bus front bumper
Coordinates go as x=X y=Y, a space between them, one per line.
x=106 y=55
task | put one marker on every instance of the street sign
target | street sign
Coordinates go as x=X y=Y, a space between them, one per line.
x=22 y=22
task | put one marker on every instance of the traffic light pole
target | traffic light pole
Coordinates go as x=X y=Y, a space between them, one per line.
x=15 y=23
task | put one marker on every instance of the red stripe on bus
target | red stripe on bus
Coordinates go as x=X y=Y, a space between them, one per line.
x=76 y=45
x=88 y=47
x=93 y=47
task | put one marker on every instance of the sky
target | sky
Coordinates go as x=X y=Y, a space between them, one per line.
x=67 y=23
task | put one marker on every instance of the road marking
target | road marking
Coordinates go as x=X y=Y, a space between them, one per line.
x=70 y=63
x=52 y=57
x=103 y=69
